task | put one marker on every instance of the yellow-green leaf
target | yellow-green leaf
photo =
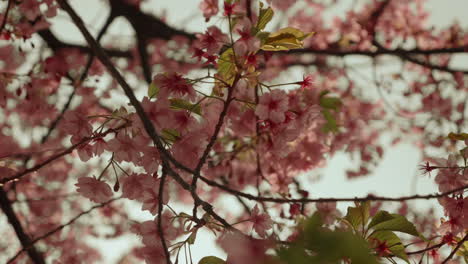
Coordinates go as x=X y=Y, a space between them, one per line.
x=285 y=39
x=211 y=260
x=120 y=113
x=192 y=237
x=179 y=104
x=400 y=224
x=227 y=66
x=359 y=215
x=170 y=135
x=459 y=136
x=380 y=217
x=264 y=17
x=331 y=125
x=329 y=102
x=153 y=90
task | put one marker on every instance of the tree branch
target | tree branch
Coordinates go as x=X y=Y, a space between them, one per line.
x=160 y=210
x=24 y=239
x=56 y=156
x=5 y=17
x=58 y=228
x=306 y=200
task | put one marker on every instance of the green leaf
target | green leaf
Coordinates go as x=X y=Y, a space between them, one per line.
x=393 y=242
x=211 y=260
x=359 y=215
x=120 y=113
x=181 y=104
x=153 y=90
x=317 y=245
x=331 y=125
x=329 y=102
x=400 y=224
x=170 y=135
x=459 y=136
x=227 y=66
x=285 y=39
x=333 y=103
x=380 y=217
x=264 y=17
x=191 y=239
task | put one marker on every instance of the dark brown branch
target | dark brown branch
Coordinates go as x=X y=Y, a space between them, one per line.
x=306 y=200
x=5 y=17
x=58 y=228
x=144 y=58
x=214 y=137
x=160 y=210
x=24 y=239
x=425 y=249
x=378 y=52
x=56 y=44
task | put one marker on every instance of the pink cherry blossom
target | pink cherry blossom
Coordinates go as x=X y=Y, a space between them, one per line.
x=272 y=106
x=261 y=222
x=173 y=84
x=125 y=148
x=133 y=185
x=77 y=124
x=212 y=40
x=209 y=8
x=244 y=250
x=93 y=189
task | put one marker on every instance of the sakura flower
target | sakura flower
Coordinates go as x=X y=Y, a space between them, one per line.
x=173 y=84
x=133 y=185
x=125 y=148
x=30 y=9
x=77 y=124
x=229 y=8
x=282 y=5
x=272 y=106
x=212 y=40
x=85 y=152
x=450 y=178
x=209 y=8
x=261 y=222
x=99 y=146
x=307 y=81
x=328 y=212
x=188 y=149
x=93 y=189
x=241 y=249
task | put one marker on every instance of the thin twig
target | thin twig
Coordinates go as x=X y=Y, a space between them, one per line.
x=160 y=210
x=306 y=200
x=58 y=228
x=24 y=239
x=5 y=18
x=57 y=156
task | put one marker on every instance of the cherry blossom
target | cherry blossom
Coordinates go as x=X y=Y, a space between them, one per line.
x=209 y=8
x=273 y=106
x=93 y=189
x=261 y=222
x=235 y=110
